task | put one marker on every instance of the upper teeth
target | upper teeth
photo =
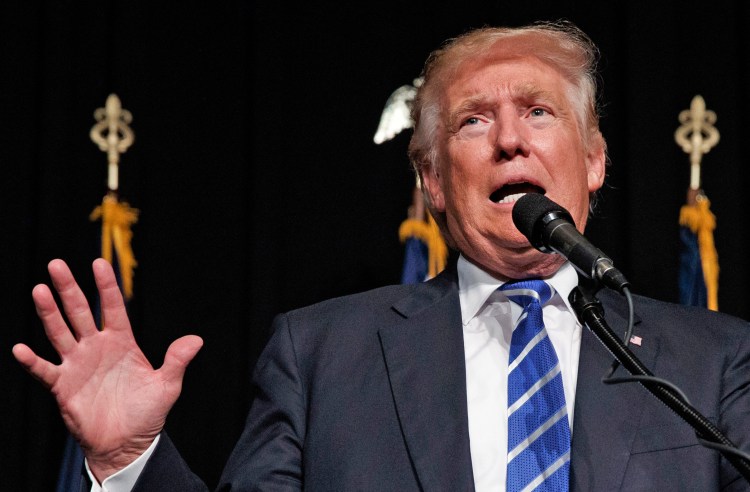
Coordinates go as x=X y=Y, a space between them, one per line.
x=511 y=198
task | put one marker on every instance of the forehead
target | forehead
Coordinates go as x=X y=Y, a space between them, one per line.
x=499 y=72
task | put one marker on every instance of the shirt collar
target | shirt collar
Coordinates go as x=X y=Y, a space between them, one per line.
x=475 y=286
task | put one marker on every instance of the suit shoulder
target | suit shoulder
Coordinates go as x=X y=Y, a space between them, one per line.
x=371 y=304
x=690 y=314
x=684 y=322
x=367 y=300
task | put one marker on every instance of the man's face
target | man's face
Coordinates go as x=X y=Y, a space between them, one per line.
x=508 y=126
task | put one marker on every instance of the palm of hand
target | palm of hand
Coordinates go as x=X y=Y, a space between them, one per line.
x=110 y=397
x=107 y=383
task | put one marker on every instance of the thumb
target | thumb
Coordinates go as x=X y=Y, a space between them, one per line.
x=178 y=356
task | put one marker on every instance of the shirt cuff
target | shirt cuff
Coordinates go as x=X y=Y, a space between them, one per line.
x=124 y=480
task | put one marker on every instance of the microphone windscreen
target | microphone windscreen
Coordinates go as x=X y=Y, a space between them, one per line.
x=529 y=209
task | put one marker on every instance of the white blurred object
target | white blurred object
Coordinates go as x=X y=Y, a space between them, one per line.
x=396 y=114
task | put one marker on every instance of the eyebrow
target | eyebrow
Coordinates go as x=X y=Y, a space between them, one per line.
x=468 y=105
x=526 y=92
x=529 y=91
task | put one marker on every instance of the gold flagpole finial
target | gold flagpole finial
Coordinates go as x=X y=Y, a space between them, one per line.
x=113 y=135
x=697 y=135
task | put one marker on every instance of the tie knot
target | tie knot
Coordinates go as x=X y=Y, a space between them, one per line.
x=524 y=292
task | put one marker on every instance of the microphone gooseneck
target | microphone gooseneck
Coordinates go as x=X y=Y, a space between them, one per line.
x=551 y=229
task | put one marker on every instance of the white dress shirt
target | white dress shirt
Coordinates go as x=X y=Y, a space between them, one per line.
x=488 y=319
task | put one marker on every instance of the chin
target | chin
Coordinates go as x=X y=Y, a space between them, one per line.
x=547 y=267
x=527 y=262
x=512 y=240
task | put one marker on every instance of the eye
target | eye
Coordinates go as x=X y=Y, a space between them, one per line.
x=471 y=121
x=537 y=112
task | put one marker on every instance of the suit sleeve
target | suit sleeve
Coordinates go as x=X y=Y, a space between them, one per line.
x=268 y=455
x=735 y=410
x=167 y=471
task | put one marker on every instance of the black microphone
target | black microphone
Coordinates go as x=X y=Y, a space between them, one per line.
x=550 y=229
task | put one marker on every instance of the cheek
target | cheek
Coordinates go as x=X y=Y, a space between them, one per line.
x=469 y=148
x=462 y=187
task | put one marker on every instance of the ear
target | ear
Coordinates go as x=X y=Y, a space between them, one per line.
x=596 y=162
x=432 y=184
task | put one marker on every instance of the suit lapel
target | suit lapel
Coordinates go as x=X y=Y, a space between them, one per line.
x=606 y=415
x=425 y=360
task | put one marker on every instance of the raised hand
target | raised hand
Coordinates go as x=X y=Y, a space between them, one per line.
x=111 y=399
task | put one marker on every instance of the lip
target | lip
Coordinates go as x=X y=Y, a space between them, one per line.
x=512 y=191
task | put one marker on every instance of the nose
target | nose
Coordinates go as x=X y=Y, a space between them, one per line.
x=511 y=139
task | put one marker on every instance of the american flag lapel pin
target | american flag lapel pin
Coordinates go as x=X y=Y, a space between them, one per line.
x=636 y=340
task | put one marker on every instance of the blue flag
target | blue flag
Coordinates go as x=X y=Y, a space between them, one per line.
x=425 y=252
x=70 y=477
x=699 y=265
x=415 y=261
x=691 y=282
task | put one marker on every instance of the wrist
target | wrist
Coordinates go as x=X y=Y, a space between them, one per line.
x=104 y=465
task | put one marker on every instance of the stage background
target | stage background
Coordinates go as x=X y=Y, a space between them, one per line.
x=260 y=187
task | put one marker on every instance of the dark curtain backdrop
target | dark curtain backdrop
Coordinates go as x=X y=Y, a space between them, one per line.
x=260 y=187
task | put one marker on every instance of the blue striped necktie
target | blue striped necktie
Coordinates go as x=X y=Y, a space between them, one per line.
x=538 y=428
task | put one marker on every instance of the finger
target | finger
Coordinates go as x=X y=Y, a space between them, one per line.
x=114 y=315
x=179 y=354
x=43 y=370
x=55 y=327
x=74 y=302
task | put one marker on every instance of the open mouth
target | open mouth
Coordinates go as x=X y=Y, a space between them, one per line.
x=513 y=191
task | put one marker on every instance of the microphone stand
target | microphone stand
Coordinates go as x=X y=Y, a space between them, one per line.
x=590 y=314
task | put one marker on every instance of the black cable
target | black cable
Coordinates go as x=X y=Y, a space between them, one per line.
x=647 y=379
x=608 y=379
x=724 y=449
x=628 y=333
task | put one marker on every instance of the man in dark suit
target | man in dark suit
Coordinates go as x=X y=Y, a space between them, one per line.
x=405 y=387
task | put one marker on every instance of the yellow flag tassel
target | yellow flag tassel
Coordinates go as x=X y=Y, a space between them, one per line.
x=699 y=219
x=117 y=219
x=429 y=233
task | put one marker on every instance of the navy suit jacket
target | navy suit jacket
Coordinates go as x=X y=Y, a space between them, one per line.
x=368 y=392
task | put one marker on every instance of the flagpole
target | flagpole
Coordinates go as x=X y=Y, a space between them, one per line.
x=113 y=135
x=426 y=253
x=697 y=135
